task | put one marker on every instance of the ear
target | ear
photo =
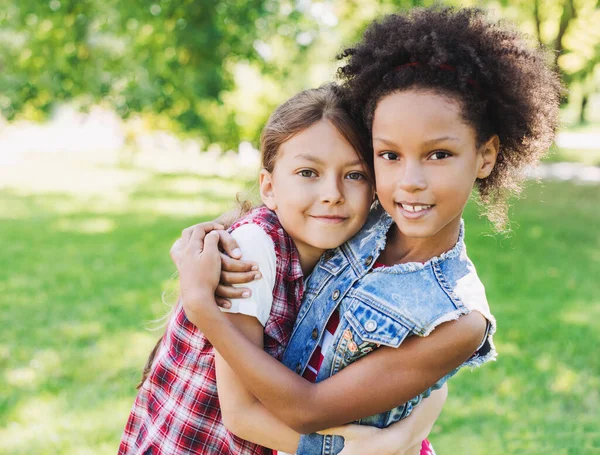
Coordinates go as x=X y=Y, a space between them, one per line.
x=265 y=181
x=489 y=155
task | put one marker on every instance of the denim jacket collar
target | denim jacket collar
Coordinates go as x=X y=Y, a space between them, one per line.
x=362 y=250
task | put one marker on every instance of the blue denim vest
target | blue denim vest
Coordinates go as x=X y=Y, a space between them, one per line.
x=381 y=307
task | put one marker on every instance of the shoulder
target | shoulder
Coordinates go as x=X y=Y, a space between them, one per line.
x=255 y=243
x=261 y=216
x=461 y=282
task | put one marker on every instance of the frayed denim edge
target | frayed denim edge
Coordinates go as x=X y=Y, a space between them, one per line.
x=453 y=316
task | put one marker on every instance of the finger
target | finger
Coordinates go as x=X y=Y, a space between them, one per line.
x=185 y=236
x=206 y=227
x=228 y=292
x=211 y=242
x=223 y=303
x=350 y=431
x=239 y=277
x=339 y=431
x=236 y=265
x=175 y=251
x=229 y=245
x=198 y=240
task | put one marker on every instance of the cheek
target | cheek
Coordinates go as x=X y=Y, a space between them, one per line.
x=385 y=184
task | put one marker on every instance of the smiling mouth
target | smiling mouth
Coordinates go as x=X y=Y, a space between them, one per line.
x=415 y=208
x=330 y=219
x=414 y=211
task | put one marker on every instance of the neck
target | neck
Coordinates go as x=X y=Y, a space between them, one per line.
x=309 y=256
x=400 y=249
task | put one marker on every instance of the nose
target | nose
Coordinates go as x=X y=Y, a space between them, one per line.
x=332 y=191
x=412 y=177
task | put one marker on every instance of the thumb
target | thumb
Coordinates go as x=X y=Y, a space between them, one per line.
x=350 y=431
x=211 y=243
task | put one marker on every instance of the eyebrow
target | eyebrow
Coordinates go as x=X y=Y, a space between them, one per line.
x=318 y=160
x=429 y=142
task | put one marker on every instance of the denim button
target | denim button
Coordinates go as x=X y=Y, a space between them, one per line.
x=328 y=255
x=336 y=294
x=370 y=325
x=298 y=368
x=315 y=333
x=369 y=261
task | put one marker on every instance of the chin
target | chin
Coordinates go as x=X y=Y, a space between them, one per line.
x=325 y=244
x=416 y=232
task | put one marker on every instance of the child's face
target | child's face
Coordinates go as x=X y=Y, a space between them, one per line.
x=318 y=189
x=426 y=162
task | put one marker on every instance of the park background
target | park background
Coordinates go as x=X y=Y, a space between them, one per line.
x=124 y=122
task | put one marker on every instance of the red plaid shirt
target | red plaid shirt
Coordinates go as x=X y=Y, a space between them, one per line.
x=177 y=408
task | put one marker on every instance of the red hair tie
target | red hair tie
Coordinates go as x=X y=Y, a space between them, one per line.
x=443 y=66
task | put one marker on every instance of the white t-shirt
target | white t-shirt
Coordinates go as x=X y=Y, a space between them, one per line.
x=256 y=246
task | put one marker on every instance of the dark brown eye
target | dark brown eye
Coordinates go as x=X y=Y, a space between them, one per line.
x=439 y=155
x=389 y=156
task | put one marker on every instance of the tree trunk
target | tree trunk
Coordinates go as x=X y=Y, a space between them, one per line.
x=538 y=21
x=584 y=101
x=567 y=15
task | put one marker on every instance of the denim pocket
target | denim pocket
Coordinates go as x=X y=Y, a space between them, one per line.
x=375 y=326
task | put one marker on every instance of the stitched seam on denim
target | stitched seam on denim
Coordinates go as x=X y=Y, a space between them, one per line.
x=338 y=355
x=306 y=306
x=389 y=311
x=335 y=265
x=441 y=279
x=375 y=337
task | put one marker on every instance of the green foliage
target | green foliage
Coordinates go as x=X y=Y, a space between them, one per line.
x=171 y=58
x=184 y=64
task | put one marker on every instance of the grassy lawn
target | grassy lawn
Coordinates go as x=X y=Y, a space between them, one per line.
x=589 y=157
x=82 y=275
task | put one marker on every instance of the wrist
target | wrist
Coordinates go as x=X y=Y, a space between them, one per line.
x=199 y=306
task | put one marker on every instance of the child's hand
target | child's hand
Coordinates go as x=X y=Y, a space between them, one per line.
x=199 y=273
x=233 y=269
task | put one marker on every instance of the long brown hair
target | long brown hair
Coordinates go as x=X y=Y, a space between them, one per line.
x=305 y=109
x=295 y=115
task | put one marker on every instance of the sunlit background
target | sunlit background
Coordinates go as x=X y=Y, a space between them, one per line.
x=123 y=122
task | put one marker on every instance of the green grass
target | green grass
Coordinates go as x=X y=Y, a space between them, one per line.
x=589 y=157
x=82 y=274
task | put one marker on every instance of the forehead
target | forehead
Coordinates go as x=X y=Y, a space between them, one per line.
x=417 y=112
x=322 y=140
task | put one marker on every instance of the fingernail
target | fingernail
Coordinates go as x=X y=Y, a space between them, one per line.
x=237 y=252
x=254 y=267
x=257 y=276
x=246 y=294
x=226 y=305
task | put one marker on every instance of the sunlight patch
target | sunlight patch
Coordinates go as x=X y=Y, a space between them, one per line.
x=565 y=380
x=89 y=226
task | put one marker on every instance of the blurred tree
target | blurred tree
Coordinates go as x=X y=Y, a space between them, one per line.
x=172 y=58
x=570 y=30
x=217 y=68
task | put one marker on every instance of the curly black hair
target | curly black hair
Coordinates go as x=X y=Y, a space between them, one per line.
x=505 y=86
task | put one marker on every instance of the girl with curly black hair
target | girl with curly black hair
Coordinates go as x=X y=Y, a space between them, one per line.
x=452 y=101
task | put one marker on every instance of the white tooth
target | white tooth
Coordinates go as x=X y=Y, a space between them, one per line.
x=418 y=208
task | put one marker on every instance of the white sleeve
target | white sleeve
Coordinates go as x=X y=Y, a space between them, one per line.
x=257 y=246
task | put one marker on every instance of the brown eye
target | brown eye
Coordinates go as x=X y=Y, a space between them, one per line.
x=439 y=155
x=389 y=156
x=307 y=173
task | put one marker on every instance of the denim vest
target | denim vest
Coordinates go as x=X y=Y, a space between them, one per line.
x=381 y=307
